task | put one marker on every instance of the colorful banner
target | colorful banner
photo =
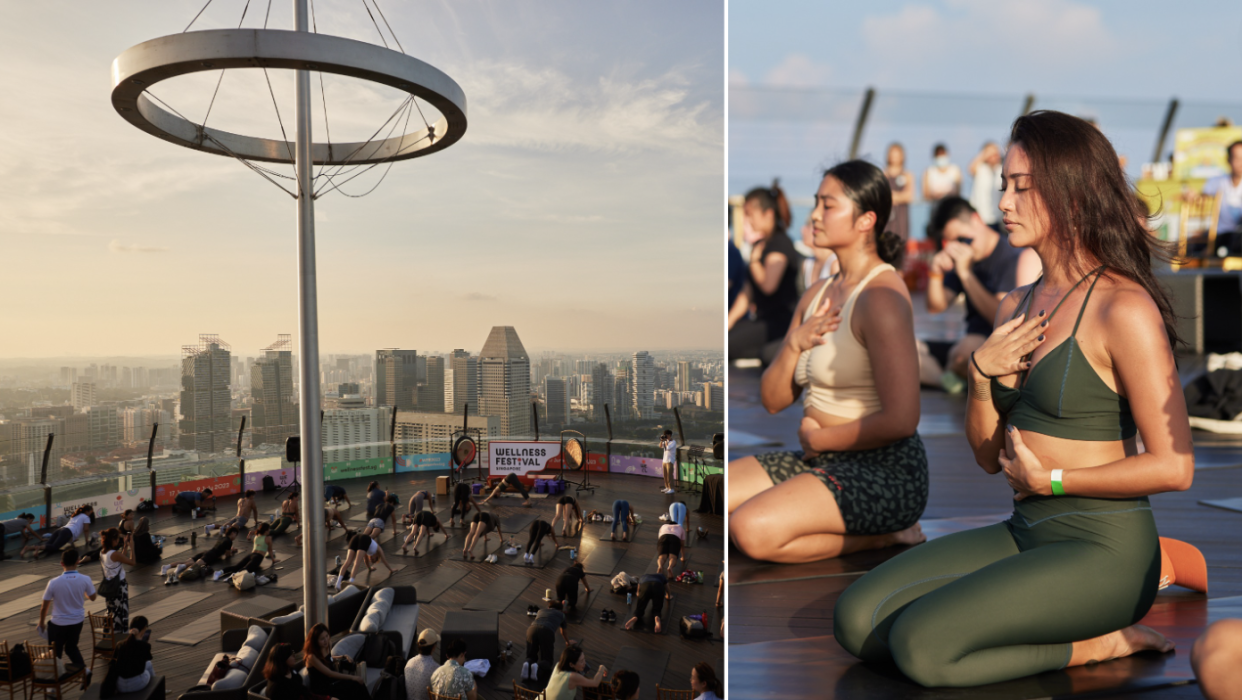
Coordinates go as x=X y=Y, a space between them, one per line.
x=354 y=468
x=435 y=461
x=520 y=458
x=282 y=477
x=690 y=473
x=641 y=466
x=108 y=504
x=596 y=462
x=1200 y=153
x=166 y=494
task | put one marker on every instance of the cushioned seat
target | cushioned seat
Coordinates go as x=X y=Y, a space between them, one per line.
x=392 y=612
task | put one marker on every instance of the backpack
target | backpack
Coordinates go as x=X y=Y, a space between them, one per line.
x=269 y=484
x=243 y=580
x=145 y=507
x=692 y=627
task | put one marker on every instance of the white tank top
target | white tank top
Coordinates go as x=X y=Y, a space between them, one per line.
x=837 y=375
x=112 y=569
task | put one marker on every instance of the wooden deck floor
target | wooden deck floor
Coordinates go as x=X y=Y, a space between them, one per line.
x=770 y=603
x=183 y=665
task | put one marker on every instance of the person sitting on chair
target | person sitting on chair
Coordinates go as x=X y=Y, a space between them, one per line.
x=133 y=660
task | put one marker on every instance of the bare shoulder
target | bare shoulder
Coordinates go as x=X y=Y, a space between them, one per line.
x=885 y=297
x=1129 y=318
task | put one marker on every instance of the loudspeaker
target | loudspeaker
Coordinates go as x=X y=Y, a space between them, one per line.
x=293 y=449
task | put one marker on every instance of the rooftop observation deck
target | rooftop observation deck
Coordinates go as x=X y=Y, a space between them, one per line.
x=780 y=616
x=183 y=665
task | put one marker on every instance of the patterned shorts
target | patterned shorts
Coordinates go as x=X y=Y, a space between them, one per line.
x=878 y=491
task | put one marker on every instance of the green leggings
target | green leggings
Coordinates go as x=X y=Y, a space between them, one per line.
x=1007 y=600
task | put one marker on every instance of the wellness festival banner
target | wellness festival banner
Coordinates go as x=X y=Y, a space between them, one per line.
x=520 y=458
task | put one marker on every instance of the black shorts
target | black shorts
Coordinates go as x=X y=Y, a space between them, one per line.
x=878 y=491
x=567 y=501
x=427 y=518
x=360 y=543
x=669 y=544
x=489 y=523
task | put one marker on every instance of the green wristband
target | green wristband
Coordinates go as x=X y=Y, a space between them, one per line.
x=1057 y=488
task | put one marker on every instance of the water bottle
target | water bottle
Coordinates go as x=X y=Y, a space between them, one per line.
x=629 y=598
x=573 y=554
x=338 y=561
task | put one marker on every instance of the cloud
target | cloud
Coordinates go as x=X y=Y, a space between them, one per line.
x=1016 y=38
x=799 y=70
x=477 y=296
x=737 y=77
x=117 y=247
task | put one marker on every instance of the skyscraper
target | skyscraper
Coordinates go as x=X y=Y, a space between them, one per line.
x=396 y=377
x=465 y=381
x=431 y=390
x=557 y=394
x=504 y=381
x=713 y=396
x=274 y=408
x=683 y=376
x=601 y=390
x=643 y=390
x=206 y=403
x=358 y=433
x=83 y=395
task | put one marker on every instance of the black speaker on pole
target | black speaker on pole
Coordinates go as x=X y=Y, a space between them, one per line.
x=293 y=453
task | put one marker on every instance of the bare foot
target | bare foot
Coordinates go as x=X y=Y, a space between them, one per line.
x=629 y=624
x=911 y=535
x=659 y=629
x=1121 y=643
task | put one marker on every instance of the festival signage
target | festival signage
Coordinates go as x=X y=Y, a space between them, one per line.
x=282 y=478
x=595 y=462
x=166 y=494
x=108 y=504
x=520 y=458
x=1200 y=153
x=435 y=461
x=354 y=468
x=640 y=466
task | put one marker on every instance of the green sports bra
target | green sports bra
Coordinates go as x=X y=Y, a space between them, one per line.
x=1062 y=395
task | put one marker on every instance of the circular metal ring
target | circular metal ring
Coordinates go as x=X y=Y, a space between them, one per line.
x=146 y=64
x=464 y=451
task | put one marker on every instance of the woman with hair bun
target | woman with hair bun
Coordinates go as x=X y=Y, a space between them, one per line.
x=860 y=480
x=772 y=273
x=1079 y=366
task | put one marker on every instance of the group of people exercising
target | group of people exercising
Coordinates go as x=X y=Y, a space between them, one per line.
x=1078 y=365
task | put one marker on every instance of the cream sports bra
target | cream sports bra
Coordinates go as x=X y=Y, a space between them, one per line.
x=837 y=375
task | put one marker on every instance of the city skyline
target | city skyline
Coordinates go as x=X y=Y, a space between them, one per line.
x=590 y=174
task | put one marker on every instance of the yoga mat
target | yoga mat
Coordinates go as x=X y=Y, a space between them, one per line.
x=647 y=622
x=443 y=516
x=289 y=580
x=432 y=585
x=602 y=560
x=372 y=578
x=359 y=517
x=435 y=539
x=21 y=605
x=518 y=495
x=545 y=555
x=493 y=546
x=649 y=664
x=515 y=523
x=948 y=526
x=194 y=632
x=608 y=533
x=169 y=606
x=578 y=615
x=499 y=594
x=18 y=581
x=1234 y=504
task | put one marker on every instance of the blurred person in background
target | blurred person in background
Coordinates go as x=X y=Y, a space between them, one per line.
x=977 y=261
x=901 y=182
x=773 y=270
x=943 y=178
x=986 y=185
x=1229 y=227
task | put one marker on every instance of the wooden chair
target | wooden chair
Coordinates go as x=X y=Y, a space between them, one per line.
x=666 y=694
x=7 y=678
x=1200 y=214
x=520 y=693
x=49 y=675
x=104 y=638
x=433 y=695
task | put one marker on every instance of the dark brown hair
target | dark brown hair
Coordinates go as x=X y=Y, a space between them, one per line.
x=707 y=676
x=278 y=662
x=1092 y=212
x=311 y=646
x=772 y=199
x=867 y=187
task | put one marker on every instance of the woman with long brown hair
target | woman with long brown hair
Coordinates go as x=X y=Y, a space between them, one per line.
x=772 y=274
x=327 y=672
x=1079 y=365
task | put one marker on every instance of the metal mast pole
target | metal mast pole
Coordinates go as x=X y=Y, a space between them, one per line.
x=314 y=544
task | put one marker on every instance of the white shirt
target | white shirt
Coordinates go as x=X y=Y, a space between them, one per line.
x=983 y=192
x=940 y=182
x=111 y=567
x=418 y=672
x=670 y=452
x=76 y=523
x=68 y=593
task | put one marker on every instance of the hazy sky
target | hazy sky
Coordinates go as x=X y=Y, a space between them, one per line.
x=583 y=205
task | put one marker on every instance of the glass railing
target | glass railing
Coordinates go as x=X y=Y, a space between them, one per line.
x=115 y=477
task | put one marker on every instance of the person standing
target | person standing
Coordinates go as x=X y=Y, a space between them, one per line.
x=64 y=598
x=419 y=669
x=986 y=185
x=943 y=178
x=901 y=182
x=117 y=551
x=669 y=445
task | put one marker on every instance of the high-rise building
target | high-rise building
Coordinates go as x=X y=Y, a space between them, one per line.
x=683 y=376
x=601 y=390
x=104 y=427
x=622 y=404
x=448 y=388
x=274 y=407
x=82 y=395
x=465 y=381
x=68 y=375
x=427 y=433
x=136 y=424
x=557 y=398
x=396 y=377
x=431 y=390
x=355 y=433
x=713 y=396
x=504 y=381
x=347 y=388
x=643 y=390
x=206 y=402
